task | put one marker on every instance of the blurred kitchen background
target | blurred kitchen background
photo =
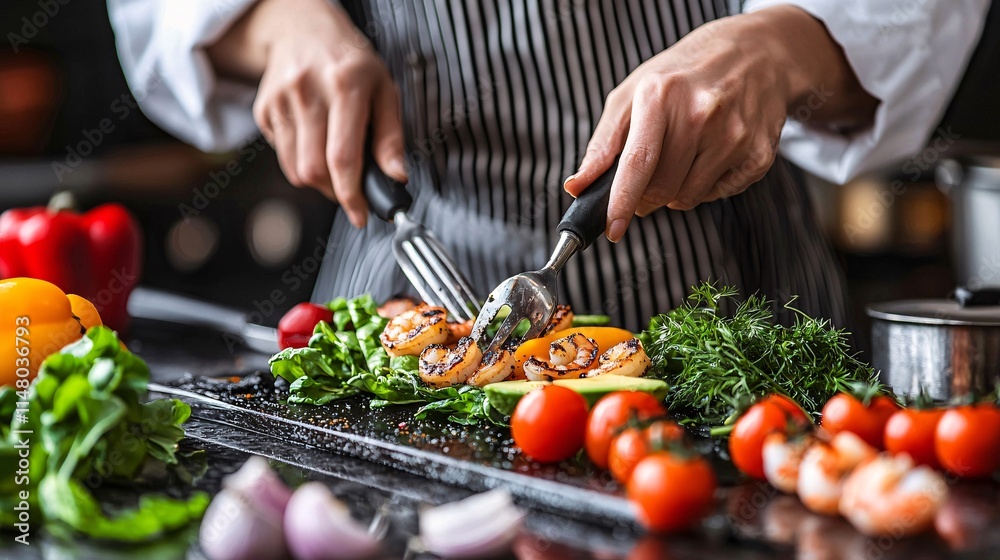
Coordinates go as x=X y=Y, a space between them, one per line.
x=69 y=122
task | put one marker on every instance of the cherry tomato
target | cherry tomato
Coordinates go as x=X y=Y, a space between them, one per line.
x=967 y=440
x=845 y=413
x=634 y=444
x=549 y=423
x=613 y=412
x=911 y=431
x=670 y=492
x=296 y=327
x=746 y=441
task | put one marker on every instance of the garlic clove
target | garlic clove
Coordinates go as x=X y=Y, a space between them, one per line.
x=320 y=527
x=245 y=519
x=257 y=482
x=234 y=529
x=489 y=525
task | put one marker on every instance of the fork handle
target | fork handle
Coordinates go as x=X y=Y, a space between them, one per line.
x=385 y=195
x=587 y=217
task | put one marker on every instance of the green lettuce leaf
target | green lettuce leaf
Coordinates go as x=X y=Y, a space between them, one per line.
x=345 y=358
x=90 y=423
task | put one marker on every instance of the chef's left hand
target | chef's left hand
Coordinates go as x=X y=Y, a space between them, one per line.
x=701 y=120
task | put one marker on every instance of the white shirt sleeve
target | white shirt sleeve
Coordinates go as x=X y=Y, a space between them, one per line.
x=909 y=54
x=161 y=48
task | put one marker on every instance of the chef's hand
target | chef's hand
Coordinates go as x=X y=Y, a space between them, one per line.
x=701 y=120
x=321 y=83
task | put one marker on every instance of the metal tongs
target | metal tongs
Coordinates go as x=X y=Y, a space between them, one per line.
x=532 y=295
x=423 y=259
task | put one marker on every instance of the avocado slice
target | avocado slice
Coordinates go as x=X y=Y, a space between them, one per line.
x=504 y=395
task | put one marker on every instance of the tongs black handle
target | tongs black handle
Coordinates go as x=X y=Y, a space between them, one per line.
x=385 y=195
x=587 y=217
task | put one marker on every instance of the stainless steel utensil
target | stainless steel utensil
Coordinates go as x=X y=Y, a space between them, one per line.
x=939 y=345
x=423 y=259
x=148 y=303
x=532 y=295
x=973 y=185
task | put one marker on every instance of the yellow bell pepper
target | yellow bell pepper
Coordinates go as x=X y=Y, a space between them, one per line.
x=85 y=311
x=36 y=319
x=605 y=337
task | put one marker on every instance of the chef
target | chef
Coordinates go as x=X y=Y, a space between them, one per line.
x=491 y=110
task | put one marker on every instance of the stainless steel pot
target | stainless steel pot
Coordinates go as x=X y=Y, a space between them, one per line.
x=939 y=345
x=973 y=185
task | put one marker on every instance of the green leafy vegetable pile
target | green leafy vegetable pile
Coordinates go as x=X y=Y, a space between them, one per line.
x=86 y=425
x=716 y=363
x=345 y=358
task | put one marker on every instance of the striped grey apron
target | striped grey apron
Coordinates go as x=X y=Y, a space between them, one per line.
x=499 y=100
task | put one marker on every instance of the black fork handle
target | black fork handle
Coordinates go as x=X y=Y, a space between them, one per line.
x=385 y=195
x=587 y=217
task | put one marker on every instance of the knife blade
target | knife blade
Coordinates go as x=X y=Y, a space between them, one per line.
x=233 y=324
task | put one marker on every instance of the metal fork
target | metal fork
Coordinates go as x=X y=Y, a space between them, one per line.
x=532 y=295
x=423 y=259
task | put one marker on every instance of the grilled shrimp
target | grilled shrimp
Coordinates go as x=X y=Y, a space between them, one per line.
x=458 y=330
x=887 y=495
x=496 y=366
x=824 y=468
x=569 y=357
x=562 y=319
x=625 y=358
x=782 y=457
x=441 y=366
x=408 y=333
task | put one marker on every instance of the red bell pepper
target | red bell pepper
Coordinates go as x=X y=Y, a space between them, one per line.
x=96 y=254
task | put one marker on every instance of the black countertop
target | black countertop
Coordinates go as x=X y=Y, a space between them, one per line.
x=752 y=520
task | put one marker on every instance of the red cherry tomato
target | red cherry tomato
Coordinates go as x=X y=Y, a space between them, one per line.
x=613 y=412
x=549 y=423
x=633 y=445
x=296 y=327
x=746 y=442
x=671 y=493
x=911 y=431
x=845 y=413
x=967 y=440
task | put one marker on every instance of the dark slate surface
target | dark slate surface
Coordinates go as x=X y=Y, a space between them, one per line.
x=587 y=519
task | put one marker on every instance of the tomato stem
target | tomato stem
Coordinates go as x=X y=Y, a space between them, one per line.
x=719 y=431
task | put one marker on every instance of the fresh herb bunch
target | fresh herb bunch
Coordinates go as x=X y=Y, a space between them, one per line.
x=716 y=364
x=346 y=358
x=87 y=422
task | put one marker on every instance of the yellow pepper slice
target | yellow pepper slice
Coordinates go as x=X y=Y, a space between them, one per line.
x=605 y=337
x=36 y=319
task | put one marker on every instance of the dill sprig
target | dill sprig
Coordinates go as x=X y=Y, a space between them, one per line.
x=716 y=364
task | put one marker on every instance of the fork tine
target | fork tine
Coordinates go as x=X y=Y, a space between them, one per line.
x=486 y=316
x=414 y=273
x=503 y=333
x=465 y=291
x=422 y=277
x=432 y=281
x=446 y=278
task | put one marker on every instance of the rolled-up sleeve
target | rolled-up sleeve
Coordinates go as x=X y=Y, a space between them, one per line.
x=161 y=45
x=909 y=54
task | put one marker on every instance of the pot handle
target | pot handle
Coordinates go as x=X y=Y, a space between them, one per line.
x=949 y=175
x=974 y=298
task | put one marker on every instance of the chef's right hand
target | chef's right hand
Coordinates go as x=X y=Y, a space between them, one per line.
x=320 y=83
